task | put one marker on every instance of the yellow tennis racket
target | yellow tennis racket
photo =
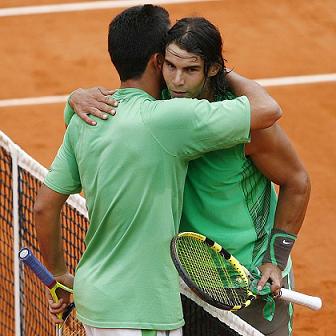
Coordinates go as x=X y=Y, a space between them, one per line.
x=71 y=326
x=217 y=277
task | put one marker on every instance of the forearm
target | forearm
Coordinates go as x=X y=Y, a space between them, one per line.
x=49 y=239
x=48 y=230
x=292 y=204
x=275 y=157
x=273 y=154
x=264 y=109
x=290 y=212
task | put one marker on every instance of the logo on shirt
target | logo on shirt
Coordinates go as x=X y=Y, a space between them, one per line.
x=285 y=242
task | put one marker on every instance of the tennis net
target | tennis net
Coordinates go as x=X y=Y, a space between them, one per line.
x=23 y=311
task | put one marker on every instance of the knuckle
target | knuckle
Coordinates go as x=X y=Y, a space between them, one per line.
x=101 y=106
x=92 y=110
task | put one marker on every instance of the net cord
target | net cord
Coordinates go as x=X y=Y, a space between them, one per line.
x=14 y=154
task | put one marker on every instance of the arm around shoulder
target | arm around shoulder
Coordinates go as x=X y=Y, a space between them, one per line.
x=265 y=111
x=190 y=127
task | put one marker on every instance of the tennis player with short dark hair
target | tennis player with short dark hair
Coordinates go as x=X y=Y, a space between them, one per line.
x=132 y=171
x=228 y=195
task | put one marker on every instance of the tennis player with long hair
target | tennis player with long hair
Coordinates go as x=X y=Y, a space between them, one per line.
x=132 y=172
x=229 y=195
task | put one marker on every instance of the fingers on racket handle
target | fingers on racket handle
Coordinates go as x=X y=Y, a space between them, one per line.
x=312 y=302
x=27 y=257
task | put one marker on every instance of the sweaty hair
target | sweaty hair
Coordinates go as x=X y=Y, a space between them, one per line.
x=199 y=36
x=134 y=36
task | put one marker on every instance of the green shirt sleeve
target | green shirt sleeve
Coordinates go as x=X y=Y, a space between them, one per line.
x=63 y=175
x=190 y=127
x=68 y=112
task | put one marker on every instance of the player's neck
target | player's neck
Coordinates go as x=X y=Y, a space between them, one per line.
x=208 y=96
x=146 y=82
x=207 y=93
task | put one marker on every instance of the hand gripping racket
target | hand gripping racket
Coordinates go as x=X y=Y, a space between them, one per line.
x=71 y=326
x=217 y=277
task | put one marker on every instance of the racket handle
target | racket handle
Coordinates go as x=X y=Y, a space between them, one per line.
x=312 y=302
x=27 y=257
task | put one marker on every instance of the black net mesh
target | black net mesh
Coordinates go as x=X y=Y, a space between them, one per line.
x=199 y=322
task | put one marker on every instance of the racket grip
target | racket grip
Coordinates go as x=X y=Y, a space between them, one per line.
x=27 y=257
x=312 y=302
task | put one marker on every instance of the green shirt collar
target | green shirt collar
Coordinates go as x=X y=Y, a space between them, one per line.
x=128 y=93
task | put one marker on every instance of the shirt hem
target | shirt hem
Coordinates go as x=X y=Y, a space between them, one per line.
x=58 y=189
x=131 y=325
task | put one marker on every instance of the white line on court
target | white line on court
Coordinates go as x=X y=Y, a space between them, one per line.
x=267 y=82
x=94 y=5
x=33 y=101
x=294 y=80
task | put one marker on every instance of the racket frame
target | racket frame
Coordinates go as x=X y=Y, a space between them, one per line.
x=311 y=302
x=224 y=254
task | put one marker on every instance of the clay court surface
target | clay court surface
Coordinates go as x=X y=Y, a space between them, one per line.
x=52 y=54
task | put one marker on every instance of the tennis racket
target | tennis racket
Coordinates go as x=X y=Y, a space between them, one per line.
x=71 y=326
x=217 y=277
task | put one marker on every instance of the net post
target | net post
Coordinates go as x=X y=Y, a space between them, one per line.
x=14 y=151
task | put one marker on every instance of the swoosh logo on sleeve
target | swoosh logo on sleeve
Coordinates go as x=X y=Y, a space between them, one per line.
x=285 y=242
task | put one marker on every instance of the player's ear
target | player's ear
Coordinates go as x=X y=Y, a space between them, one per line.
x=213 y=69
x=159 y=59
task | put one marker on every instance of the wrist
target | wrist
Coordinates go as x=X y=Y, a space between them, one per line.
x=70 y=100
x=279 y=248
x=59 y=271
x=59 y=274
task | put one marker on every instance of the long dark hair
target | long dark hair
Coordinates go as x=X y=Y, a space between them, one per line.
x=199 y=36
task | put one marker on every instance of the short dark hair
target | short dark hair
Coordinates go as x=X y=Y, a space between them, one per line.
x=199 y=36
x=134 y=36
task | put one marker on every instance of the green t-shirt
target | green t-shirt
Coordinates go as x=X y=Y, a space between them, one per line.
x=132 y=170
x=229 y=200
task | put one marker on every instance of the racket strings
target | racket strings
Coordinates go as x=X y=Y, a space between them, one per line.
x=214 y=275
x=235 y=285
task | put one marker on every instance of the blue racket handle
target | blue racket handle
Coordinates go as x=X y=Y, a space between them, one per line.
x=27 y=257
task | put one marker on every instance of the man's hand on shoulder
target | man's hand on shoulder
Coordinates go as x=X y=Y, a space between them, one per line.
x=95 y=101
